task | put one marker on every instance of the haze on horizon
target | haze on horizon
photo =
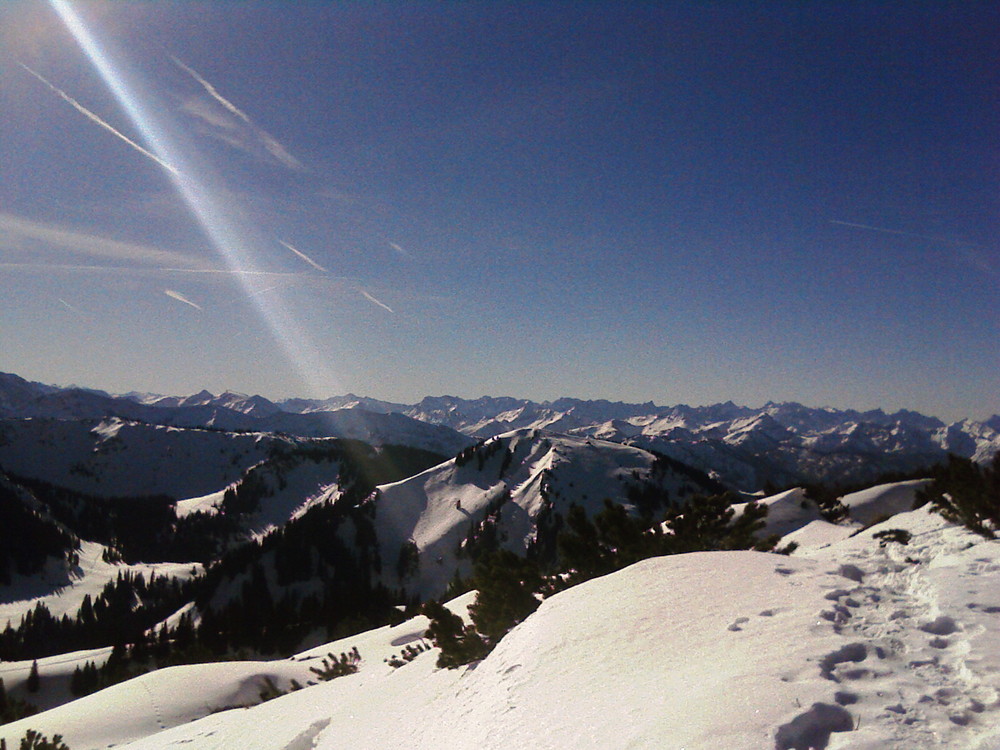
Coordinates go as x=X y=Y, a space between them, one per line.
x=685 y=203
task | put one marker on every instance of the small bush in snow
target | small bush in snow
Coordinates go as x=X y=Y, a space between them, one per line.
x=333 y=666
x=901 y=536
x=33 y=740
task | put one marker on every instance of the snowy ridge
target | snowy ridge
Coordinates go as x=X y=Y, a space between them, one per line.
x=511 y=479
x=855 y=645
x=116 y=457
x=232 y=412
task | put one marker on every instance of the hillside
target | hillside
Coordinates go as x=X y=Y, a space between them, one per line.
x=513 y=492
x=114 y=457
x=857 y=645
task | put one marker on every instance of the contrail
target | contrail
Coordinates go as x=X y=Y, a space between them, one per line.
x=90 y=115
x=262 y=291
x=371 y=299
x=20 y=234
x=12 y=266
x=212 y=91
x=271 y=144
x=399 y=249
x=180 y=298
x=895 y=231
x=68 y=306
x=237 y=272
x=304 y=257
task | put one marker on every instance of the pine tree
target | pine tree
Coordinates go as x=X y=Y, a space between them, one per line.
x=459 y=643
x=507 y=585
x=965 y=492
x=34 y=681
x=33 y=740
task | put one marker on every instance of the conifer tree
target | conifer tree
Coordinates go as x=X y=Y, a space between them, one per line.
x=965 y=492
x=34 y=681
x=459 y=643
x=507 y=585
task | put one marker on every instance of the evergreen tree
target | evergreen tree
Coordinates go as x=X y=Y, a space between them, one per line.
x=33 y=740
x=579 y=547
x=34 y=681
x=12 y=709
x=506 y=584
x=709 y=524
x=965 y=492
x=459 y=643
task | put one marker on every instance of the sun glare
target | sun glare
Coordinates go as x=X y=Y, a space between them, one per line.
x=233 y=241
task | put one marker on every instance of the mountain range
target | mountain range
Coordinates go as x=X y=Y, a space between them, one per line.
x=778 y=444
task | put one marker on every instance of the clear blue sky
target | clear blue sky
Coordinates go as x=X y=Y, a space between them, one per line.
x=677 y=202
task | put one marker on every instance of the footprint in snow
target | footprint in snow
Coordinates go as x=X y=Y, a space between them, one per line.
x=812 y=729
x=852 y=652
x=981 y=608
x=846 y=697
x=736 y=624
x=853 y=572
x=942 y=625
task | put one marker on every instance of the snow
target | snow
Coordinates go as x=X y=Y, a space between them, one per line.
x=204 y=504
x=63 y=594
x=436 y=509
x=855 y=644
x=176 y=696
x=118 y=458
x=292 y=491
x=786 y=512
x=883 y=500
x=54 y=674
x=817 y=535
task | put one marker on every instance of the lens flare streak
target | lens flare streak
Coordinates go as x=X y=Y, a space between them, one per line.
x=233 y=246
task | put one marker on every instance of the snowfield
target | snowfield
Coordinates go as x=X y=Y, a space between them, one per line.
x=849 y=643
x=62 y=592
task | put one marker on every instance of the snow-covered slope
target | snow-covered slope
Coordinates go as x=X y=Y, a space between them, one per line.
x=876 y=503
x=856 y=645
x=115 y=457
x=62 y=591
x=520 y=484
x=786 y=512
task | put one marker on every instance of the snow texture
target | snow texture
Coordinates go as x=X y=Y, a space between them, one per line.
x=854 y=644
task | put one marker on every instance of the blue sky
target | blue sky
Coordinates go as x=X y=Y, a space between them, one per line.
x=678 y=202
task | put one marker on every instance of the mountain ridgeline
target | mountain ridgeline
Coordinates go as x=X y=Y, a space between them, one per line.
x=779 y=444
